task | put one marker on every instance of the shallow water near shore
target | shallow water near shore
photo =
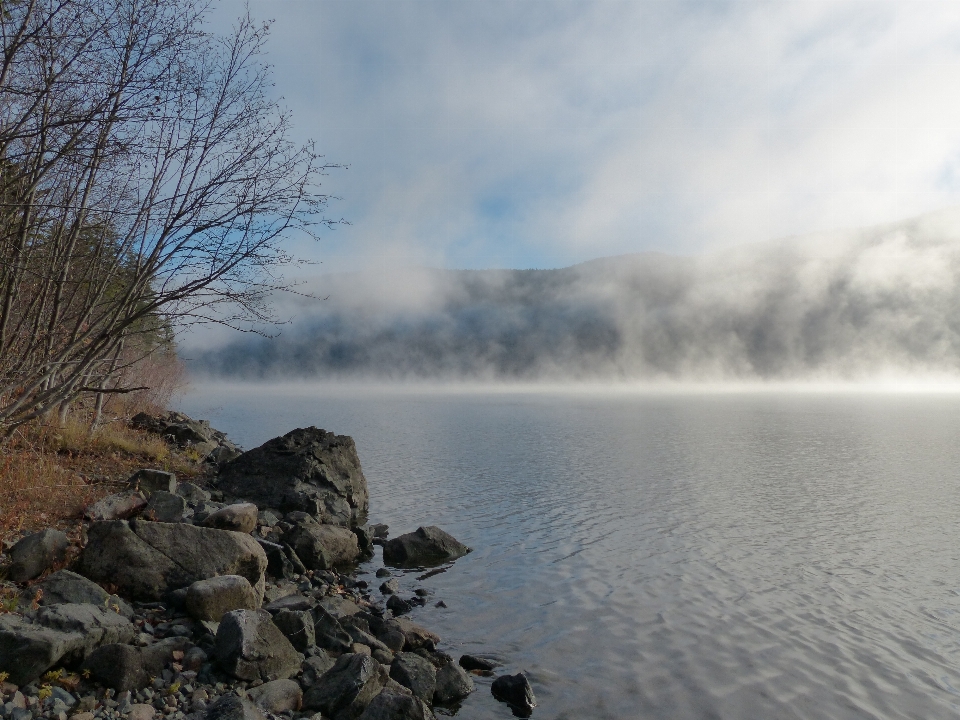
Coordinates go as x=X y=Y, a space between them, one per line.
x=668 y=555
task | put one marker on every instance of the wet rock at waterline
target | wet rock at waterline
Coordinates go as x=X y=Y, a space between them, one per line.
x=426 y=546
x=515 y=691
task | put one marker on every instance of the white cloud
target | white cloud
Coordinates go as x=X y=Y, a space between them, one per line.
x=546 y=132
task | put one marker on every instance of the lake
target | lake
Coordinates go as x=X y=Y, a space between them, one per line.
x=667 y=554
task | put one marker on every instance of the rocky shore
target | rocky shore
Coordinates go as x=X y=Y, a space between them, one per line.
x=231 y=598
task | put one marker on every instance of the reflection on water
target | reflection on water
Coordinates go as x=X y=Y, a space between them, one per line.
x=670 y=556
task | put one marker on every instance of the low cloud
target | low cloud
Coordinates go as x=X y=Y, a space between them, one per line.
x=842 y=305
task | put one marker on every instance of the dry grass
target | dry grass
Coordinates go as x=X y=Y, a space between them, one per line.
x=49 y=474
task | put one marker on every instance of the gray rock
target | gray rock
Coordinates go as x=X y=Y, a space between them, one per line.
x=414 y=635
x=223 y=454
x=515 y=690
x=315 y=666
x=149 y=481
x=165 y=507
x=339 y=606
x=298 y=627
x=28 y=650
x=344 y=691
x=472 y=662
x=415 y=673
x=426 y=546
x=193 y=494
x=364 y=638
x=277 y=696
x=209 y=599
x=38 y=552
x=398 y=606
x=365 y=539
x=328 y=633
x=125 y=667
x=308 y=470
x=97 y=625
x=453 y=685
x=390 y=587
x=321 y=547
x=383 y=572
x=232 y=707
x=138 y=557
x=250 y=647
x=395 y=706
x=241 y=517
x=65 y=586
x=290 y=602
x=118 y=506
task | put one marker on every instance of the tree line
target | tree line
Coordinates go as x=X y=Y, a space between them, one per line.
x=147 y=180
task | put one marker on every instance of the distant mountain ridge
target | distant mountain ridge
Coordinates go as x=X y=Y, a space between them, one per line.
x=842 y=305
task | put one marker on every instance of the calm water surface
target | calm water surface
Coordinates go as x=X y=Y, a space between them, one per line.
x=669 y=556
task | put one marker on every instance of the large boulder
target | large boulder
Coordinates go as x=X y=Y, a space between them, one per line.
x=345 y=690
x=394 y=706
x=321 y=546
x=426 y=546
x=146 y=560
x=36 y=553
x=59 y=634
x=307 y=469
x=28 y=650
x=250 y=647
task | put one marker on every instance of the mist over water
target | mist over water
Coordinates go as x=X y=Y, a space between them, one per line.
x=847 y=305
x=667 y=554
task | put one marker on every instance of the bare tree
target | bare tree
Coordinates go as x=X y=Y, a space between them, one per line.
x=146 y=174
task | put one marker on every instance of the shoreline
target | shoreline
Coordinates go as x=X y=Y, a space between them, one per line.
x=307 y=593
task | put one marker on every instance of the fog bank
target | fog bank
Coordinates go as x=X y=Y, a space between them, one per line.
x=882 y=301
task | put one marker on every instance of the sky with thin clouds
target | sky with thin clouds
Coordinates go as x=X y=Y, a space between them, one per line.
x=542 y=133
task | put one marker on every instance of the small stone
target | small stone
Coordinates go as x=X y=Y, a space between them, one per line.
x=472 y=662
x=141 y=711
x=383 y=572
x=390 y=587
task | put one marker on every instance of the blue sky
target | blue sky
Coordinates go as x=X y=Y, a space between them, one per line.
x=540 y=133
